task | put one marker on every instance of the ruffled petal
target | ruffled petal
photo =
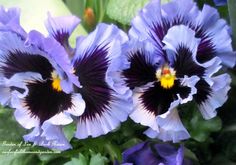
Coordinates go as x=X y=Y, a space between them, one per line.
x=10 y=21
x=15 y=88
x=107 y=121
x=60 y=119
x=23 y=117
x=78 y=105
x=147 y=26
x=61 y=27
x=98 y=63
x=171 y=127
x=8 y=16
x=48 y=136
x=141 y=115
x=215 y=36
x=181 y=35
x=29 y=59
x=217 y=97
x=176 y=9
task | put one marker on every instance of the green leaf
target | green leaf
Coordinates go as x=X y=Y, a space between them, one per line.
x=10 y=130
x=78 y=161
x=190 y=155
x=114 y=151
x=123 y=11
x=97 y=159
x=131 y=143
x=69 y=131
x=199 y=128
x=76 y=7
x=19 y=159
x=221 y=159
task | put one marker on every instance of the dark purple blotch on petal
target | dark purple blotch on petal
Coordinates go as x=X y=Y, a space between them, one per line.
x=184 y=64
x=62 y=36
x=141 y=70
x=203 y=91
x=17 y=61
x=206 y=48
x=91 y=70
x=157 y=99
x=44 y=102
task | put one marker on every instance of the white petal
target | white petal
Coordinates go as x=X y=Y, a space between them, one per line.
x=60 y=119
x=181 y=35
x=25 y=118
x=78 y=105
x=220 y=88
x=171 y=127
x=141 y=115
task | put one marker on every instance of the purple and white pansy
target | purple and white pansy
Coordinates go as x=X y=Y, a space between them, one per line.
x=177 y=62
x=38 y=80
x=99 y=62
x=48 y=90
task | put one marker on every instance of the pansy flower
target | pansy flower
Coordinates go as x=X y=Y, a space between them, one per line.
x=160 y=85
x=40 y=80
x=182 y=39
x=98 y=63
x=154 y=154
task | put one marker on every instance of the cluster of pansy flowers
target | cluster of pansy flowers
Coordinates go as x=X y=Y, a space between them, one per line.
x=171 y=56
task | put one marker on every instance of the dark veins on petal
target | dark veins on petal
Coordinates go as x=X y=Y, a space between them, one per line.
x=45 y=102
x=206 y=48
x=17 y=61
x=62 y=36
x=91 y=70
x=157 y=99
x=185 y=65
x=203 y=91
x=141 y=70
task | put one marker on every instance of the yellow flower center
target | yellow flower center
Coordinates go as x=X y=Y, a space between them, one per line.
x=56 y=82
x=166 y=76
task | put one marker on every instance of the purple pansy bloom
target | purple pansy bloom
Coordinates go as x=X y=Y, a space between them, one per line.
x=173 y=57
x=154 y=154
x=38 y=83
x=98 y=63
